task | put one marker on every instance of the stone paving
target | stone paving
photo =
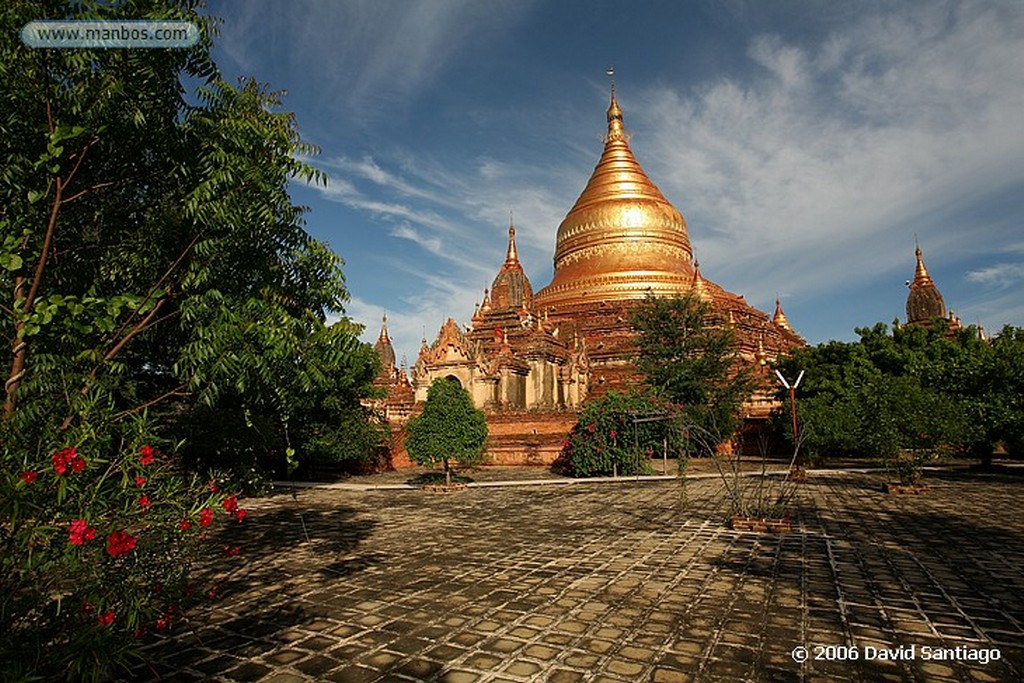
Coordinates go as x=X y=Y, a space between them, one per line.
x=629 y=581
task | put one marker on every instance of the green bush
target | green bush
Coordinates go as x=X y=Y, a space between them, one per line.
x=611 y=436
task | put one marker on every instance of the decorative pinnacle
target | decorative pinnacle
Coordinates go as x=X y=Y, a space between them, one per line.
x=615 y=130
x=512 y=255
x=384 y=328
x=921 y=276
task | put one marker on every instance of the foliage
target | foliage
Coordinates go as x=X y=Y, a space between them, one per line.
x=916 y=389
x=619 y=433
x=449 y=428
x=689 y=358
x=353 y=437
x=102 y=533
x=150 y=242
x=1007 y=388
x=160 y=287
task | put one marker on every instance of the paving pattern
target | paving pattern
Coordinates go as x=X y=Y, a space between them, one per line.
x=630 y=581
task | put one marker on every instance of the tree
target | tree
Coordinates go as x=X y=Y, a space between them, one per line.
x=914 y=389
x=150 y=242
x=1006 y=382
x=449 y=428
x=690 y=359
x=153 y=266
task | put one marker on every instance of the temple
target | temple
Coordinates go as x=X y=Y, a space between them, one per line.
x=530 y=359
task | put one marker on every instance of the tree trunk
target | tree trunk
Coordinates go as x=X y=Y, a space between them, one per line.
x=447 y=473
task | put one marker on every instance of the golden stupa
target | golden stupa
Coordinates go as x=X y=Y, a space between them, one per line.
x=532 y=360
x=622 y=238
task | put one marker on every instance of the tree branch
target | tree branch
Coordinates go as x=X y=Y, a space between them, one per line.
x=177 y=391
x=97 y=186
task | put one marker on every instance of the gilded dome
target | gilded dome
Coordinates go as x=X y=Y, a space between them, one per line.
x=621 y=238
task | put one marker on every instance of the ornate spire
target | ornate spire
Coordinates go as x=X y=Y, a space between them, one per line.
x=699 y=288
x=383 y=347
x=511 y=288
x=779 y=318
x=921 y=276
x=485 y=307
x=512 y=255
x=924 y=302
x=615 y=129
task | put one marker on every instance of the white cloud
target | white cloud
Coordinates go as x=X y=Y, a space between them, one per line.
x=406 y=231
x=824 y=170
x=1001 y=275
x=369 y=54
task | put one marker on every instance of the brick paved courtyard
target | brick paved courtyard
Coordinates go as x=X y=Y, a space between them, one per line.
x=615 y=582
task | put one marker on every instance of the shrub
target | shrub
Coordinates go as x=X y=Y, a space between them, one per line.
x=102 y=533
x=611 y=437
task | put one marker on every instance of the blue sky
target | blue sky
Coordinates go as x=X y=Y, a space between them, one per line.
x=804 y=142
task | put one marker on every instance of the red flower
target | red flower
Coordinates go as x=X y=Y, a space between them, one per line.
x=230 y=503
x=67 y=458
x=140 y=481
x=613 y=434
x=28 y=476
x=184 y=525
x=120 y=543
x=213 y=486
x=147 y=455
x=106 y=619
x=162 y=623
x=591 y=427
x=230 y=551
x=205 y=517
x=79 y=532
x=145 y=502
x=240 y=514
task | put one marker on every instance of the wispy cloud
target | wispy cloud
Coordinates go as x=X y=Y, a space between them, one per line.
x=843 y=147
x=406 y=231
x=1000 y=275
x=370 y=55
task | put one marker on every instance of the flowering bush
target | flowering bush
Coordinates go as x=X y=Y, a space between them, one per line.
x=100 y=546
x=619 y=433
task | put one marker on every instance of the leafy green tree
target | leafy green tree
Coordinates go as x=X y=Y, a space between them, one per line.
x=690 y=359
x=153 y=266
x=912 y=389
x=1006 y=381
x=150 y=244
x=619 y=433
x=449 y=428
